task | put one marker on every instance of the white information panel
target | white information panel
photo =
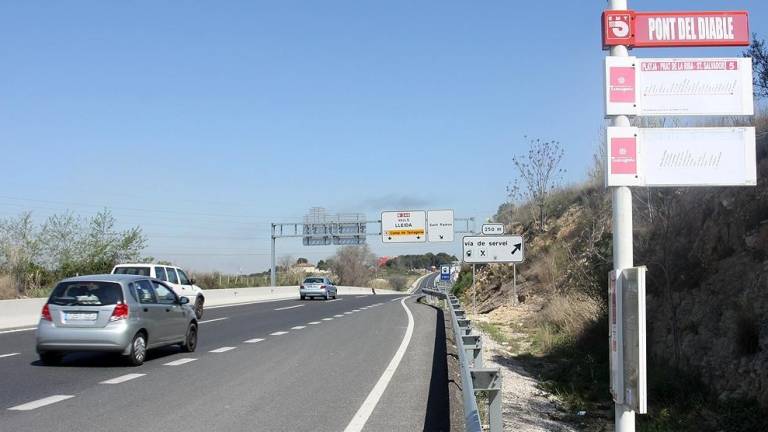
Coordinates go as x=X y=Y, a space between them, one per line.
x=496 y=249
x=493 y=229
x=440 y=225
x=678 y=86
x=405 y=226
x=681 y=156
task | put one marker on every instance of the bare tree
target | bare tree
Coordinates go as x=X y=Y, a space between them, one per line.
x=285 y=262
x=353 y=264
x=759 y=53
x=539 y=172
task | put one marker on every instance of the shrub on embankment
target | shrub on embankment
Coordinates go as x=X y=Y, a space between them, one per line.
x=706 y=250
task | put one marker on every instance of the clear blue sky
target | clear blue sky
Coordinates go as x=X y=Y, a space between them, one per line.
x=215 y=118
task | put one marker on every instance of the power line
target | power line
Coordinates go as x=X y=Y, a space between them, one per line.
x=143 y=210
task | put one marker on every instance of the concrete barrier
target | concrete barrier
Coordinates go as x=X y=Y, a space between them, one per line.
x=26 y=312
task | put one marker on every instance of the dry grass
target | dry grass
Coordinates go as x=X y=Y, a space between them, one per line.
x=379 y=284
x=7 y=290
x=565 y=317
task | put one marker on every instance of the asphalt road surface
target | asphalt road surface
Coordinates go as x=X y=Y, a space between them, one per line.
x=278 y=366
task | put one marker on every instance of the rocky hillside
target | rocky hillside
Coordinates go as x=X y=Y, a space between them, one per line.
x=706 y=250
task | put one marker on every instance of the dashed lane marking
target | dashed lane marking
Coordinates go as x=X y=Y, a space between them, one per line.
x=180 y=362
x=255 y=340
x=222 y=349
x=212 y=320
x=18 y=330
x=289 y=307
x=298 y=327
x=314 y=323
x=9 y=355
x=327 y=319
x=278 y=333
x=29 y=406
x=122 y=379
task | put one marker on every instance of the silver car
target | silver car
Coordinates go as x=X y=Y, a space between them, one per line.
x=125 y=314
x=317 y=287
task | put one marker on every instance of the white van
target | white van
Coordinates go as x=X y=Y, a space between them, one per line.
x=174 y=276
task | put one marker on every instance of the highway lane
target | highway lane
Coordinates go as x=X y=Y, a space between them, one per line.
x=417 y=398
x=220 y=326
x=285 y=365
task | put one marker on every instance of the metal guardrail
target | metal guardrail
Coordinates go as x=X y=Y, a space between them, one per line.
x=473 y=375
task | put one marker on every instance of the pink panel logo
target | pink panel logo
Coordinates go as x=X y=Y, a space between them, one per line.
x=622 y=84
x=624 y=156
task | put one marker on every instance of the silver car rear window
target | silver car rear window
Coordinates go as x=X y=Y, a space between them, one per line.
x=313 y=280
x=86 y=294
x=139 y=271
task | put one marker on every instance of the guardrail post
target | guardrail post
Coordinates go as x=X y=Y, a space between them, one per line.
x=473 y=344
x=489 y=380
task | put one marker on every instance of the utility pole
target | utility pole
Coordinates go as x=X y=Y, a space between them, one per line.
x=621 y=198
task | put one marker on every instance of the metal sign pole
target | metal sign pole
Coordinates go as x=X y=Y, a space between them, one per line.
x=272 y=272
x=622 y=240
x=514 y=283
x=474 y=292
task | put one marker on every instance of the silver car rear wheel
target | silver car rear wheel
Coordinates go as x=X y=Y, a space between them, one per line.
x=138 y=349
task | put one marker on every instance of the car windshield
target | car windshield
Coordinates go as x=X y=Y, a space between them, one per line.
x=313 y=280
x=140 y=271
x=86 y=294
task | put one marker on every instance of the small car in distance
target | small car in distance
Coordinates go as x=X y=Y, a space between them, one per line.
x=317 y=286
x=124 y=314
x=173 y=276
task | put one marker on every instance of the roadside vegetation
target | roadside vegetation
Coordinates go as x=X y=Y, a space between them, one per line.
x=33 y=256
x=705 y=250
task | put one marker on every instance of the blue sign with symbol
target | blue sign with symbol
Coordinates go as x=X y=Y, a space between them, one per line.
x=445 y=273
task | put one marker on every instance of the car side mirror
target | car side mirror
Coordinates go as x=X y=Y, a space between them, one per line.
x=192 y=281
x=183 y=300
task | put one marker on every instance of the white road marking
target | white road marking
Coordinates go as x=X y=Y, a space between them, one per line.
x=315 y=323
x=338 y=316
x=355 y=310
x=18 y=330
x=289 y=307
x=40 y=403
x=394 y=300
x=347 y=313
x=9 y=355
x=222 y=349
x=212 y=320
x=255 y=340
x=298 y=327
x=180 y=362
x=250 y=302
x=122 y=379
x=280 y=333
x=331 y=301
x=361 y=416
x=361 y=296
x=327 y=319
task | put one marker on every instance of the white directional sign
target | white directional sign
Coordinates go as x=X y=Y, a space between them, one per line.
x=404 y=226
x=440 y=225
x=678 y=86
x=681 y=156
x=493 y=229
x=496 y=249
